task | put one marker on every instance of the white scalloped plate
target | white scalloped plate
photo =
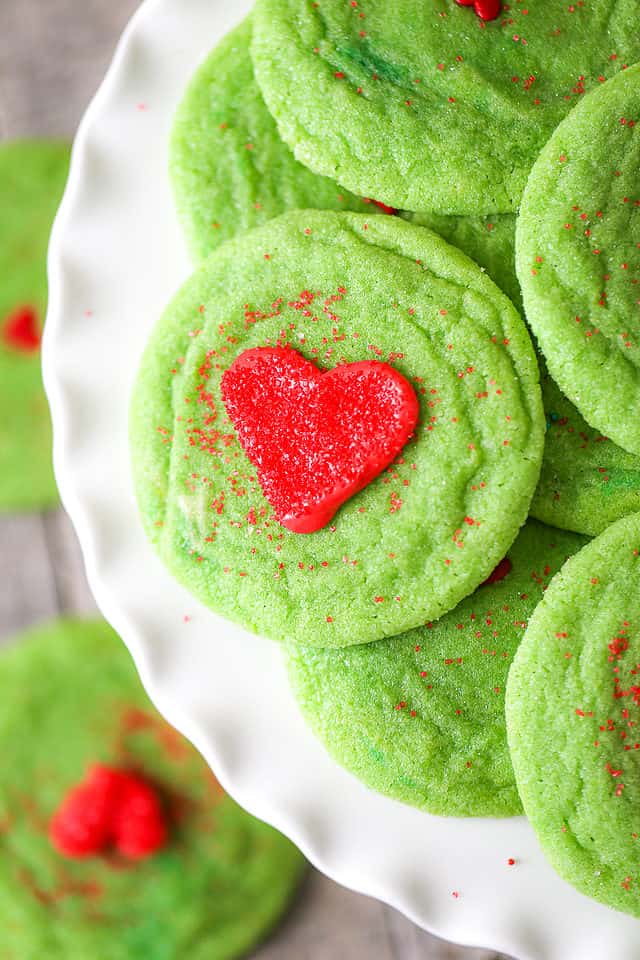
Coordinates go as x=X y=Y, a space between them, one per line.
x=116 y=258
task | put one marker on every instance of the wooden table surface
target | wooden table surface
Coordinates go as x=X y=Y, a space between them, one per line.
x=53 y=54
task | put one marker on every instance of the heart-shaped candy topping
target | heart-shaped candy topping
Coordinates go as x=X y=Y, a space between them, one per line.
x=485 y=9
x=20 y=330
x=316 y=438
x=110 y=808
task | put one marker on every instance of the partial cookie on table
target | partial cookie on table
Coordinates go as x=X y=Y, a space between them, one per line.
x=420 y=717
x=340 y=288
x=116 y=841
x=32 y=178
x=421 y=104
x=572 y=718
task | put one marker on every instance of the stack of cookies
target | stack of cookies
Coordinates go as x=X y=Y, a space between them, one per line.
x=399 y=392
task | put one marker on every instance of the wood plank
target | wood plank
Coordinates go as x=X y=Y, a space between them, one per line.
x=72 y=589
x=27 y=588
x=328 y=922
x=411 y=943
x=56 y=56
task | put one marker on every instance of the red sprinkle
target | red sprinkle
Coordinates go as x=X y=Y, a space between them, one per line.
x=316 y=438
x=110 y=808
x=20 y=330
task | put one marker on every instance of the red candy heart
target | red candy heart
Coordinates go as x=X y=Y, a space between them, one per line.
x=485 y=9
x=20 y=330
x=109 y=808
x=316 y=438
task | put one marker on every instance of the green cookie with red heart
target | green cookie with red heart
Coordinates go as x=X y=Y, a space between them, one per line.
x=32 y=178
x=116 y=839
x=279 y=467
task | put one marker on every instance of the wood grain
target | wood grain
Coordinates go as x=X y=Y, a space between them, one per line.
x=53 y=54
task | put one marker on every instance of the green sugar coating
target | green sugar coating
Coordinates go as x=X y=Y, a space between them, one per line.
x=32 y=179
x=587 y=481
x=230 y=169
x=415 y=541
x=420 y=104
x=70 y=698
x=578 y=261
x=490 y=241
x=421 y=717
x=572 y=718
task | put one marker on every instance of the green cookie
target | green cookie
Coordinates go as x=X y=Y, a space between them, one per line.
x=230 y=169
x=70 y=698
x=32 y=179
x=414 y=542
x=573 y=715
x=421 y=717
x=586 y=481
x=420 y=104
x=577 y=257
